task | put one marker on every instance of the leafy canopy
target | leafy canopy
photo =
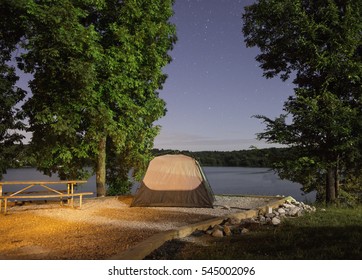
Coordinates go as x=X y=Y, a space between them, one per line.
x=319 y=45
x=11 y=30
x=97 y=68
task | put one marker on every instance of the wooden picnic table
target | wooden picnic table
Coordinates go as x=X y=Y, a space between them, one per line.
x=51 y=192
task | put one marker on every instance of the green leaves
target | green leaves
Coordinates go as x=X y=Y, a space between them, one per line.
x=11 y=31
x=97 y=66
x=320 y=43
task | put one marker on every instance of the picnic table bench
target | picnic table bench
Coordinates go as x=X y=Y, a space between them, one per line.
x=49 y=192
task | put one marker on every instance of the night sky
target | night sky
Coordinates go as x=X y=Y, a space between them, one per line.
x=214 y=84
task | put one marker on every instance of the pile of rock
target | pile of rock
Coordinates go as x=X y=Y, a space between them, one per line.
x=291 y=208
x=268 y=216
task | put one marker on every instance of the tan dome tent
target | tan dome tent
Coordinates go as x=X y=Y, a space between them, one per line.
x=174 y=180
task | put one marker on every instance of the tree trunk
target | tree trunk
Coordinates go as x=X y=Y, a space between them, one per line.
x=336 y=183
x=330 y=186
x=101 y=168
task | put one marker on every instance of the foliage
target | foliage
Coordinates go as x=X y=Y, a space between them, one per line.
x=135 y=36
x=10 y=95
x=97 y=66
x=320 y=43
x=60 y=52
x=119 y=186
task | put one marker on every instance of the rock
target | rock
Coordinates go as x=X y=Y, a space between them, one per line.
x=262 y=219
x=269 y=215
x=217 y=233
x=294 y=211
x=217 y=227
x=227 y=230
x=244 y=230
x=233 y=221
x=209 y=232
x=250 y=221
x=287 y=210
x=234 y=225
x=276 y=221
x=297 y=203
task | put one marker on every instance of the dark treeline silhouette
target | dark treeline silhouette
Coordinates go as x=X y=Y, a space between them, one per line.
x=242 y=158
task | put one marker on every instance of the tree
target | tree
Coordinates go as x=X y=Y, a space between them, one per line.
x=97 y=66
x=60 y=53
x=10 y=95
x=320 y=42
x=135 y=38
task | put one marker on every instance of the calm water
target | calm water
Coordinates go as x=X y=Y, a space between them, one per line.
x=253 y=181
x=223 y=180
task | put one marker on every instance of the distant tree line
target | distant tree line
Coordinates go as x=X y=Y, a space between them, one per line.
x=242 y=158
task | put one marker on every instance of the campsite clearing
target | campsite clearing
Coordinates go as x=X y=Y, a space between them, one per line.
x=103 y=228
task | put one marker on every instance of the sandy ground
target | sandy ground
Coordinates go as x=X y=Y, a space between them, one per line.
x=102 y=228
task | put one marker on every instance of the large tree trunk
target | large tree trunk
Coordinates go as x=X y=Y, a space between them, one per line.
x=330 y=186
x=101 y=168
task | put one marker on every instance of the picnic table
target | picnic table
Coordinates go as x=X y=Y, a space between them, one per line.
x=45 y=192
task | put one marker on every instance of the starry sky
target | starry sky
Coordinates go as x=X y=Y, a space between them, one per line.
x=214 y=84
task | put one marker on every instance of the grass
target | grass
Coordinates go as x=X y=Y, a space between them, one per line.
x=334 y=234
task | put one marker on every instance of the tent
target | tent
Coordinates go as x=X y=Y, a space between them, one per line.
x=175 y=181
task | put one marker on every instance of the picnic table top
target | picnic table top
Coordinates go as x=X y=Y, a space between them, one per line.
x=42 y=182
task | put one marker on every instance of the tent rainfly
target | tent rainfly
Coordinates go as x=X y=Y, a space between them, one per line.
x=174 y=181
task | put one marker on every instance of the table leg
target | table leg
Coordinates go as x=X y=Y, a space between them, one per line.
x=1 y=193
x=68 y=191
x=5 y=205
x=72 y=191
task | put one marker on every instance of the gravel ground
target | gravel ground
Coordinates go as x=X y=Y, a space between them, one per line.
x=102 y=228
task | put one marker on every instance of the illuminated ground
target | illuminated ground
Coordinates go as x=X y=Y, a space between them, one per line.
x=102 y=228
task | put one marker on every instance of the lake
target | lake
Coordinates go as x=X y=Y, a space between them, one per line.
x=223 y=180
